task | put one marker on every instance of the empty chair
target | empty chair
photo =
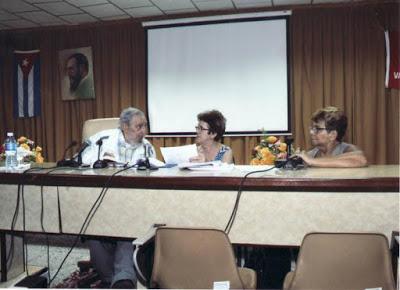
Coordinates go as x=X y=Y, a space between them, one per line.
x=187 y=258
x=93 y=126
x=337 y=261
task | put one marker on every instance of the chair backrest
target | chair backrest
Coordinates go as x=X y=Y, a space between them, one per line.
x=343 y=261
x=187 y=258
x=92 y=126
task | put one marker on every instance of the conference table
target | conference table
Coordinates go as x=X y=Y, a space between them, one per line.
x=277 y=207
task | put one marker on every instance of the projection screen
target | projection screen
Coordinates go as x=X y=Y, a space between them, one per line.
x=239 y=67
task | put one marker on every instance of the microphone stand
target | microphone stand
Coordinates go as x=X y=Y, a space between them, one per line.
x=68 y=162
x=99 y=163
x=289 y=140
x=80 y=158
x=291 y=163
x=145 y=164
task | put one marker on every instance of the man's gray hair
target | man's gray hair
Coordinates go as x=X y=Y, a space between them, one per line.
x=127 y=115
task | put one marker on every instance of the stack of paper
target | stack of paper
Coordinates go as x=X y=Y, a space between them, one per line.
x=206 y=166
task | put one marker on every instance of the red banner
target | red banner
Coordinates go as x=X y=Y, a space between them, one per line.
x=392 y=59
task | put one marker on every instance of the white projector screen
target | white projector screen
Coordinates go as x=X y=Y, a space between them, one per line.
x=237 y=67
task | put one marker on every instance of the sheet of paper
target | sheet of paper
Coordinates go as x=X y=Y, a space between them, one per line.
x=222 y=167
x=155 y=162
x=188 y=165
x=221 y=285
x=178 y=154
x=206 y=166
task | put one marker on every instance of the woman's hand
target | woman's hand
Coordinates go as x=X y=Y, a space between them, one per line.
x=198 y=158
x=303 y=155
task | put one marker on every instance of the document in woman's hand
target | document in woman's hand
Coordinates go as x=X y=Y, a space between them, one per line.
x=178 y=154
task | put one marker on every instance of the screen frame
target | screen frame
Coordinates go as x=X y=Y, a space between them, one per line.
x=224 y=21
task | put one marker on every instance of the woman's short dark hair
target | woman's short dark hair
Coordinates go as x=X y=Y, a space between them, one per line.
x=334 y=119
x=216 y=122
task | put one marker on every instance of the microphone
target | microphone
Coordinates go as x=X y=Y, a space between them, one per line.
x=289 y=140
x=72 y=144
x=84 y=145
x=100 y=141
x=100 y=163
x=291 y=163
x=63 y=162
x=144 y=164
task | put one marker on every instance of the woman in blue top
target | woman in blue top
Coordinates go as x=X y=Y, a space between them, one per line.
x=210 y=129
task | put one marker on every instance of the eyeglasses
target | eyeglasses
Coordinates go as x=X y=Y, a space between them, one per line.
x=316 y=130
x=199 y=128
x=141 y=126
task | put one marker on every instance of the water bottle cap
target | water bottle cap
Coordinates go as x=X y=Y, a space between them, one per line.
x=10 y=134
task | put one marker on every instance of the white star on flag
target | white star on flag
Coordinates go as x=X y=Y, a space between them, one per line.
x=25 y=62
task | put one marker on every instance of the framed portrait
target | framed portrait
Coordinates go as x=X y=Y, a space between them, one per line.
x=76 y=74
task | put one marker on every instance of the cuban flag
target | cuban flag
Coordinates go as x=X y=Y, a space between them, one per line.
x=26 y=84
x=392 y=38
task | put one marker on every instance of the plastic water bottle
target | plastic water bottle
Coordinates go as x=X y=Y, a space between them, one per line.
x=11 y=151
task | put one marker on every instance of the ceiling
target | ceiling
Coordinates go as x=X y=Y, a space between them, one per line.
x=16 y=14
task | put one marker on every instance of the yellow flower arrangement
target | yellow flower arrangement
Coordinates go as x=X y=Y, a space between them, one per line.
x=34 y=154
x=269 y=149
x=26 y=148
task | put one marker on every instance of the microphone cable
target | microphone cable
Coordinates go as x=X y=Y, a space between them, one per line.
x=60 y=229
x=89 y=217
x=239 y=194
x=10 y=256
x=52 y=169
x=21 y=192
x=20 y=196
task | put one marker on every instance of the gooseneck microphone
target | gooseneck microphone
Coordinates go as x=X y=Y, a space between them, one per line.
x=84 y=145
x=66 y=162
x=100 y=163
x=100 y=141
x=291 y=162
x=72 y=144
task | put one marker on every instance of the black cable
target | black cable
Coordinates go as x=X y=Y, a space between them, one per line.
x=25 y=245
x=239 y=194
x=52 y=169
x=20 y=190
x=44 y=231
x=20 y=193
x=10 y=255
x=89 y=217
x=60 y=229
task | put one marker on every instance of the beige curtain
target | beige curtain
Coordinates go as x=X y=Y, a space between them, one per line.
x=337 y=58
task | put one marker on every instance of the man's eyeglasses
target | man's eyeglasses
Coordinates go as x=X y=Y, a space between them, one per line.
x=199 y=128
x=141 y=126
x=316 y=130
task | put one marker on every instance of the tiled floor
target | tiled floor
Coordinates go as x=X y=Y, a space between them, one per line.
x=58 y=249
x=37 y=256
